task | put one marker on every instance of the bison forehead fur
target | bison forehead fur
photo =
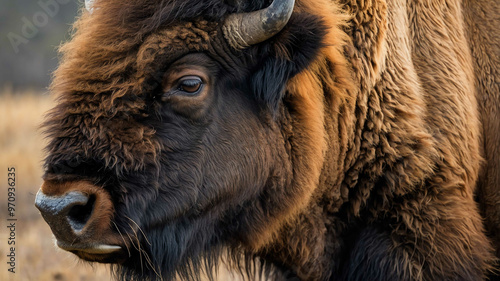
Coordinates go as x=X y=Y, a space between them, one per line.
x=348 y=146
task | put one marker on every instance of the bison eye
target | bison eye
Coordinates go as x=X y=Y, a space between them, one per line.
x=190 y=84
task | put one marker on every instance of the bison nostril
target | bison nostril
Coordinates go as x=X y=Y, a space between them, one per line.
x=66 y=214
x=77 y=212
x=78 y=215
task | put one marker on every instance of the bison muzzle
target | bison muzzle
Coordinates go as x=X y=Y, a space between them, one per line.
x=301 y=140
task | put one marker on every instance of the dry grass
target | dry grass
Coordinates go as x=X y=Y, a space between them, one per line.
x=21 y=146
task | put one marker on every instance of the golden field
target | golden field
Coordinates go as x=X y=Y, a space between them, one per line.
x=21 y=146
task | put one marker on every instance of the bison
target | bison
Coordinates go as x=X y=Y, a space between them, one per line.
x=301 y=140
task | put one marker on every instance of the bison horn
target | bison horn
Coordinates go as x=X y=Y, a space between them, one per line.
x=245 y=29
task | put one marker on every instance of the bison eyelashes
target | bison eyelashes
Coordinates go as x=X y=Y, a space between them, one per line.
x=190 y=84
x=187 y=85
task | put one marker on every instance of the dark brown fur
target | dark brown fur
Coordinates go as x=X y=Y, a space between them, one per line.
x=348 y=147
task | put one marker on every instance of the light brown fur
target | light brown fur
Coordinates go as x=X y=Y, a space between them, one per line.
x=416 y=120
x=482 y=21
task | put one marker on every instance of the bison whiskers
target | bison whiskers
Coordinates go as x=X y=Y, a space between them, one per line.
x=141 y=251
x=146 y=256
x=140 y=230
x=132 y=241
x=151 y=264
x=137 y=247
x=123 y=238
x=138 y=243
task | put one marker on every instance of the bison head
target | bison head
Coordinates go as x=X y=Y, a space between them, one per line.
x=177 y=134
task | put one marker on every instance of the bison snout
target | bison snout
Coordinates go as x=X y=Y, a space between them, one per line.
x=79 y=214
x=66 y=214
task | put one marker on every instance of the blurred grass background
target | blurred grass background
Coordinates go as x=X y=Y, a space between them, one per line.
x=30 y=32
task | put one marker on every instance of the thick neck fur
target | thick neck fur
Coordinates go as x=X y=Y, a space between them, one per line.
x=366 y=134
x=390 y=142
